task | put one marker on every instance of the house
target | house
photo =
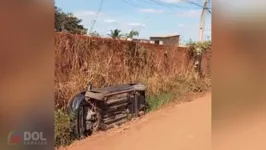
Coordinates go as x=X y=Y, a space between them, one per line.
x=141 y=40
x=165 y=40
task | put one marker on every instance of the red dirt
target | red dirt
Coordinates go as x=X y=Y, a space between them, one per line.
x=184 y=126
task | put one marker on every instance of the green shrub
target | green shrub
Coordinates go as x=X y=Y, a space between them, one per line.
x=175 y=87
x=203 y=46
x=63 y=135
x=156 y=101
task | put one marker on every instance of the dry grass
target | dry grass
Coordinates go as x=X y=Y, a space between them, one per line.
x=79 y=59
x=162 y=90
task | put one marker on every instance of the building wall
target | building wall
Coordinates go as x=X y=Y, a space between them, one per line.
x=171 y=41
x=167 y=41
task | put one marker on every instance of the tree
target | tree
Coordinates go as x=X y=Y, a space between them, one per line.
x=68 y=22
x=94 y=34
x=132 y=33
x=115 y=34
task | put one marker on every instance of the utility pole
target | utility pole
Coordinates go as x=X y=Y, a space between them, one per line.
x=198 y=58
x=202 y=20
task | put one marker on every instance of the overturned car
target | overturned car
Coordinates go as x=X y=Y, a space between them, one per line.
x=104 y=108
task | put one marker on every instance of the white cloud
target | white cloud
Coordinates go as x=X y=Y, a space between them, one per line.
x=136 y=24
x=150 y=10
x=181 y=25
x=190 y=13
x=171 y=1
x=86 y=13
x=110 y=21
x=178 y=1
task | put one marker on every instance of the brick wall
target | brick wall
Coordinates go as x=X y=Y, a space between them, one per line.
x=81 y=59
x=206 y=64
x=73 y=52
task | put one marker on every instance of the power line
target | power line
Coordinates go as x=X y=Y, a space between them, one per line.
x=145 y=1
x=191 y=2
x=196 y=4
x=98 y=12
x=160 y=4
x=170 y=6
x=164 y=5
x=154 y=2
x=132 y=4
x=150 y=2
x=209 y=2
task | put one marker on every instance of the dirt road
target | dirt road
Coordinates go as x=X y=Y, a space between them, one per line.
x=184 y=126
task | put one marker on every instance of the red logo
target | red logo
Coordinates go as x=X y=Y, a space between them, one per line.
x=14 y=138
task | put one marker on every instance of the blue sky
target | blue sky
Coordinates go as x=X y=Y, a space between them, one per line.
x=162 y=17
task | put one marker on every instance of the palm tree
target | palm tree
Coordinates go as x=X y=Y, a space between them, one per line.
x=132 y=33
x=115 y=34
